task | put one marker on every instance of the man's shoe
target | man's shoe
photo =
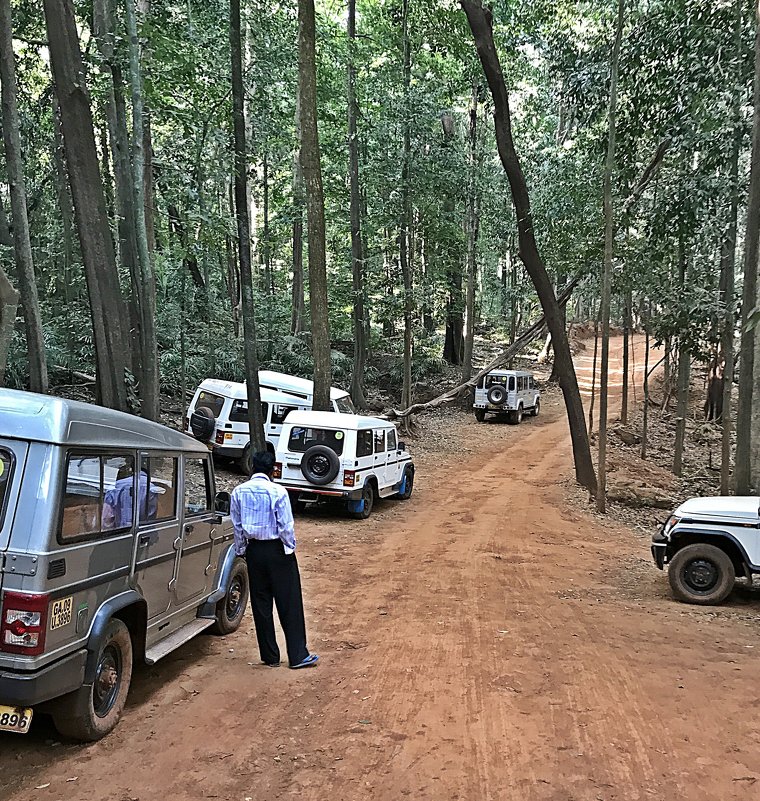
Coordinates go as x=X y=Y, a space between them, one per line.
x=271 y=664
x=310 y=660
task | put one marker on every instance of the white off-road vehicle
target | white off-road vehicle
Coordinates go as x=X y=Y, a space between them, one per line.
x=511 y=392
x=349 y=457
x=707 y=543
x=218 y=413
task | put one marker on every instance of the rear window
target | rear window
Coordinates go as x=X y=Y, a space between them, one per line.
x=496 y=379
x=211 y=401
x=239 y=411
x=280 y=413
x=6 y=470
x=301 y=439
x=345 y=405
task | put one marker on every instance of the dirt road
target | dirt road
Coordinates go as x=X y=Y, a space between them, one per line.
x=485 y=641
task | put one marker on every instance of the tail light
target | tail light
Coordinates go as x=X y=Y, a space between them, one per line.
x=219 y=438
x=349 y=478
x=277 y=470
x=23 y=623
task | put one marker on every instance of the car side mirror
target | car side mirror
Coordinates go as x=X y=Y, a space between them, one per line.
x=402 y=446
x=222 y=503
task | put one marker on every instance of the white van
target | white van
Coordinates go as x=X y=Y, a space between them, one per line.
x=510 y=392
x=218 y=413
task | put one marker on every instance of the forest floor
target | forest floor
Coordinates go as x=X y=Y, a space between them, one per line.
x=491 y=639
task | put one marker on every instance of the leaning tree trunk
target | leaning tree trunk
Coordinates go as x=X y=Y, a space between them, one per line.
x=22 y=245
x=106 y=301
x=255 y=416
x=480 y=24
x=315 y=206
x=472 y=225
x=357 y=245
x=743 y=457
x=609 y=240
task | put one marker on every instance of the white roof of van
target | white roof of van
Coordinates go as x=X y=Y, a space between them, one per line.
x=499 y=371
x=285 y=382
x=238 y=391
x=335 y=420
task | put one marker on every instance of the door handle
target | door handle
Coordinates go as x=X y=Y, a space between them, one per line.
x=148 y=539
x=189 y=529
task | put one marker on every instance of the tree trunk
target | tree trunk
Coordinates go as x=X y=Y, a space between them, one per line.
x=255 y=417
x=480 y=24
x=728 y=265
x=743 y=457
x=593 y=376
x=609 y=241
x=645 y=421
x=106 y=301
x=35 y=343
x=150 y=388
x=682 y=406
x=626 y=357
x=315 y=206
x=472 y=227
x=143 y=9
x=357 y=245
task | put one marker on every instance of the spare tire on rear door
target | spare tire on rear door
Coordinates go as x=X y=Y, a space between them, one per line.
x=202 y=423
x=320 y=465
x=497 y=394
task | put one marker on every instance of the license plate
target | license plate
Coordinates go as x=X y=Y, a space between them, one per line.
x=61 y=612
x=15 y=719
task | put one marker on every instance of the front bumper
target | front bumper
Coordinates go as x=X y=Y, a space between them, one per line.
x=660 y=542
x=28 y=689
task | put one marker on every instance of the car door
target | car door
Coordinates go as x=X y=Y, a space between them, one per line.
x=279 y=413
x=394 y=467
x=380 y=461
x=158 y=533
x=198 y=529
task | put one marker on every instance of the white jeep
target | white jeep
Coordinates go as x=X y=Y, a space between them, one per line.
x=707 y=543
x=350 y=457
x=510 y=392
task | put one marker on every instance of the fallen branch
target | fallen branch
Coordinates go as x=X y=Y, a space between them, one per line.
x=646 y=176
x=505 y=356
x=88 y=379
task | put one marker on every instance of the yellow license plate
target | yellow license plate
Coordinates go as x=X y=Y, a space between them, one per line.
x=15 y=719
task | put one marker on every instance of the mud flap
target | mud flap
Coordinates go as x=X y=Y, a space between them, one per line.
x=356 y=507
x=402 y=488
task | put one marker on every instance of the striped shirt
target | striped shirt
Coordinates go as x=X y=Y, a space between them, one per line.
x=260 y=510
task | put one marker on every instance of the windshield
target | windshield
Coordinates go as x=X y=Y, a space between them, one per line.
x=301 y=439
x=6 y=471
x=345 y=405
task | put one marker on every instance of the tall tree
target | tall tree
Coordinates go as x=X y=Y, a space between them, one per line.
x=255 y=417
x=357 y=244
x=298 y=302
x=480 y=23
x=106 y=301
x=609 y=241
x=35 y=344
x=471 y=225
x=315 y=205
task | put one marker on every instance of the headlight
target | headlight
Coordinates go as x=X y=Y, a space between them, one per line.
x=672 y=521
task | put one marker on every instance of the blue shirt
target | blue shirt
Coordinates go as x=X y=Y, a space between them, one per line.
x=117 y=505
x=260 y=510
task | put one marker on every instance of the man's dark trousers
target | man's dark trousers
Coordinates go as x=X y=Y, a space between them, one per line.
x=274 y=576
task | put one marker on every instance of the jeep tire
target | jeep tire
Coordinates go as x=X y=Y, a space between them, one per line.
x=320 y=465
x=701 y=574
x=480 y=415
x=497 y=394
x=536 y=408
x=91 y=712
x=368 y=496
x=202 y=423
x=408 y=485
x=230 y=610
x=516 y=416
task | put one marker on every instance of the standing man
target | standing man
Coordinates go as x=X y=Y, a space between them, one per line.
x=265 y=536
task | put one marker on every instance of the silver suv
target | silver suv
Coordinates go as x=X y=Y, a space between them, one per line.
x=114 y=550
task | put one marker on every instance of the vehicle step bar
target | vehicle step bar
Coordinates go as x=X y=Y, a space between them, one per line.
x=180 y=637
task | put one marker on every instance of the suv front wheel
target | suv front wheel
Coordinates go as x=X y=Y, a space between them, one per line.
x=701 y=574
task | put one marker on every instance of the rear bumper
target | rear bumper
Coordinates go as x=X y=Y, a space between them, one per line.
x=303 y=493
x=228 y=452
x=27 y=689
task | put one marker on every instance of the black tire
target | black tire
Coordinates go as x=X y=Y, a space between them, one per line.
x=92 y=711
x=409 y=486
x=701 y=574
x=536 y=408
x=368 y=496
x=516 y=416
x=244 y=462
x=320 y=465
x=230 y=610
x=497 y=394
x=480 y=415
x=202 y=423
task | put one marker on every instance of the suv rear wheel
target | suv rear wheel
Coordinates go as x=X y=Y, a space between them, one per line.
x=701 y=574
x=92 y=711
x=516 y=416
x=480 y=415
x=368 y=496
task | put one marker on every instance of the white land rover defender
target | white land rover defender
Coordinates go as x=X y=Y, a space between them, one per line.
x=707 y=543
x=349 y=457
x=510 y=392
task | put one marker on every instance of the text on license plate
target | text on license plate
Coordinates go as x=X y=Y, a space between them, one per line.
x=61 y=612
x=15 y=719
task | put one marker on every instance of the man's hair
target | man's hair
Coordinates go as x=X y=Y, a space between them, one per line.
x=262 y=462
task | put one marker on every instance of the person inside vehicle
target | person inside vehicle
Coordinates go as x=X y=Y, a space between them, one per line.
x=117 y=504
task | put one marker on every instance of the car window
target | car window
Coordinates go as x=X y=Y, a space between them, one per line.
x=391 y=440
x=98 y=496
x=495 y=379
x=379 y=440
x=197 y=487
x=511 y=383
x=211 y=401
x=345 y=405
x=239 y=411
x=363 y=443
x=301 y=439
x=280 y=413
x=6 y=471
x=157 y=495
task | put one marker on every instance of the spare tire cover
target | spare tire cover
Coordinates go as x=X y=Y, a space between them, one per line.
x=202 y=423
x=497 y=394
x=320 y=465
